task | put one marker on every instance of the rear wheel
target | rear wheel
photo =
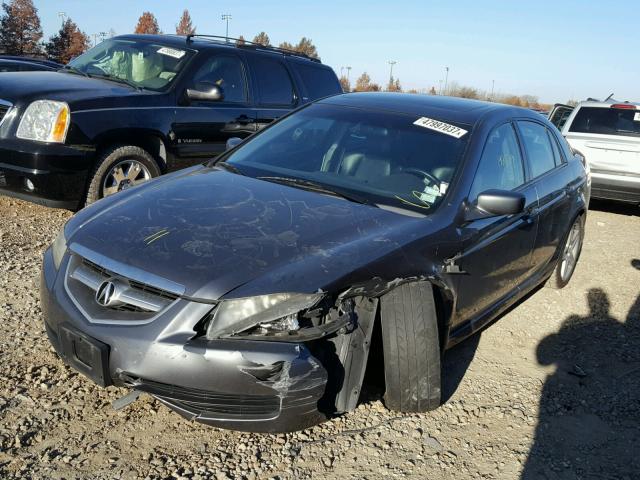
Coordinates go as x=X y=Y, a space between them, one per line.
x=569 y=256
x=119 y=168
x=411 y=348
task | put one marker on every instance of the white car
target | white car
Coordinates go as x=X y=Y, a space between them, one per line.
x=607 y=134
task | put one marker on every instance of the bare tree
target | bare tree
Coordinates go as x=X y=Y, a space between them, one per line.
x=20 y=30
x=394 y=85
x=68 y=43
x=147 y=23
x=185 y=26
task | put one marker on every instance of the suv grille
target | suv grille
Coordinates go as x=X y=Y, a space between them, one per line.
x=129 y=301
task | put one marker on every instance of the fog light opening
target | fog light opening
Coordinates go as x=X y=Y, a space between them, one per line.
x=29 y=185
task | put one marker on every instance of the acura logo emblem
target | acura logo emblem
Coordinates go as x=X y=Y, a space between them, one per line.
x=105 y=295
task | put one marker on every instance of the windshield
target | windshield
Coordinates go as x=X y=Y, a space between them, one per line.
x=607 y=121
x=382 y=157
x=138 y=63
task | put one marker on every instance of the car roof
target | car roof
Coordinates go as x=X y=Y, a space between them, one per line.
x=606 y=103
x=204 y=42
x=454 y=109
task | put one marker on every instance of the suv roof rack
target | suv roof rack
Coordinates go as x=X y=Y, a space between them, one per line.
x=247 y=44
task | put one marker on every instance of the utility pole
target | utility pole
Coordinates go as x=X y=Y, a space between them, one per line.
x=392 y=63
x=446 y=79
x=226 y=17
x=440 y=87
x=341 y=72
x=95 y=38
x=62 y=16
x=348 y=72
x=493 y=84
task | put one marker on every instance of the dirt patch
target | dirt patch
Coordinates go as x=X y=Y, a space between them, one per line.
x=552 y=390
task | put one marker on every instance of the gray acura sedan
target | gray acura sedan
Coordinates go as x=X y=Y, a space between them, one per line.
x=243 y=293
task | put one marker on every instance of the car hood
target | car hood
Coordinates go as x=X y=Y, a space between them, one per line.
x=212 y=231
x=24 y=87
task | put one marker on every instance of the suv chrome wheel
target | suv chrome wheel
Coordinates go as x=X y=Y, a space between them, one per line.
x=123 y=175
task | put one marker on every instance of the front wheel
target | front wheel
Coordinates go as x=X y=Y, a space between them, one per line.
x=569 y=256
x=119 y=168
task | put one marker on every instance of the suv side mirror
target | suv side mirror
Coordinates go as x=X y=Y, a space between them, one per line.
x=501 y=202
x=213 y=94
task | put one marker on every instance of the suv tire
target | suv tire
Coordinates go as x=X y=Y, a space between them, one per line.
x=135 y=166
x=411 y=348
x=571 y=247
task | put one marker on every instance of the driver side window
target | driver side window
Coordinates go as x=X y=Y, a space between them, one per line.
x=501 y=164
x=225 y=72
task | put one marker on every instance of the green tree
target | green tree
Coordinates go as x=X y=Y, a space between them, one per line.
x=20 y=30
x=262 y=39
x=147 y=23
x=185 y=27
x=68 y=43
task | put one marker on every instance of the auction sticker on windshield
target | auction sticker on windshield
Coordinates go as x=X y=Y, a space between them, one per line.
x=441 y=127
x=172 y=52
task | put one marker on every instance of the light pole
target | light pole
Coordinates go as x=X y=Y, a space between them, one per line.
x=226 y=17
x=95 y=38
x=348 y=72
x=391 y=63
x=446 y=79
x=62 y=16
x=440 y=87
x=341 y=72
x=493 y=84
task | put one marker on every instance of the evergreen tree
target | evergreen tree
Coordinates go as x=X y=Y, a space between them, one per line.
x=147 y=23
x=262 y=39
x=20 y=30
x=185 y=27
x=68 y=43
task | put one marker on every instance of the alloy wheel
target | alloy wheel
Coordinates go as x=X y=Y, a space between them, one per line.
x=571 y=251
x=123 y=175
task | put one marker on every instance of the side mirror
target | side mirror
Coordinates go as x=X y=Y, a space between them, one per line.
x=501 y=202
x=232 y=142
x=213 y=94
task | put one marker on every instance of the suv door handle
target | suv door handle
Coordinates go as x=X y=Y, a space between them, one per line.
x=244 y=120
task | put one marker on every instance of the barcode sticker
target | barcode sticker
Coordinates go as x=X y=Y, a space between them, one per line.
x=171 y=52
x=441 y=127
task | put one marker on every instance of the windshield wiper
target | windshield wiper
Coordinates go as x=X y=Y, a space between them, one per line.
x=75 y=70
x=113 y=78
x=317 y=187
x=228 y=167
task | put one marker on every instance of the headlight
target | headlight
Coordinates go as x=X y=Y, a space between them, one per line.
x=58 y=249
x=45 y=121
x=276 y=312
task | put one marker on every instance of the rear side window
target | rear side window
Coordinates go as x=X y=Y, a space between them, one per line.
x=607 y=121
x=538 y=147
x=320 y=81
x=556 y=149
x=274 y=82
x=559 y=116
x=501 y=163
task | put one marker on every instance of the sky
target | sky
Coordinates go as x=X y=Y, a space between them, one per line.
x=554 y=49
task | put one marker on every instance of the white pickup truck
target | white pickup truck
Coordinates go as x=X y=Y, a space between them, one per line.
x=607 y=134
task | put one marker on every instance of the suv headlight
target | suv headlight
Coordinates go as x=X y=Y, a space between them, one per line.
x=58 y=248
x=45 y=121
x=276 y=312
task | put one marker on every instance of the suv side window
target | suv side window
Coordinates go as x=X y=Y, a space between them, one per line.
x=274 y=82
x=227 y=72
x=320 y=81
x=538 y=147
x=501 y=163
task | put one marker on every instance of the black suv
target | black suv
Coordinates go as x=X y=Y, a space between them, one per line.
x=137 y=106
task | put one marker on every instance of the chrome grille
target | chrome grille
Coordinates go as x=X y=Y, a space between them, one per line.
x=135 y=302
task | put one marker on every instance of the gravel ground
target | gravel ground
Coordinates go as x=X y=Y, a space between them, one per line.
x=552 y=391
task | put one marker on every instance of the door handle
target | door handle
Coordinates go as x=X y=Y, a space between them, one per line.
x=244 y=120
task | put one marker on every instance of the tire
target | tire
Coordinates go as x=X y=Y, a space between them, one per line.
x=411 y=348
x=103 y=182
x=561 y=275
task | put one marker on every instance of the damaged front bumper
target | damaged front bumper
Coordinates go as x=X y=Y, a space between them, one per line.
x=241 y=384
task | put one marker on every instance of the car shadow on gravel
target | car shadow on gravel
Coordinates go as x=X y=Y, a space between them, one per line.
x=610 y=206
x=590 y=406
